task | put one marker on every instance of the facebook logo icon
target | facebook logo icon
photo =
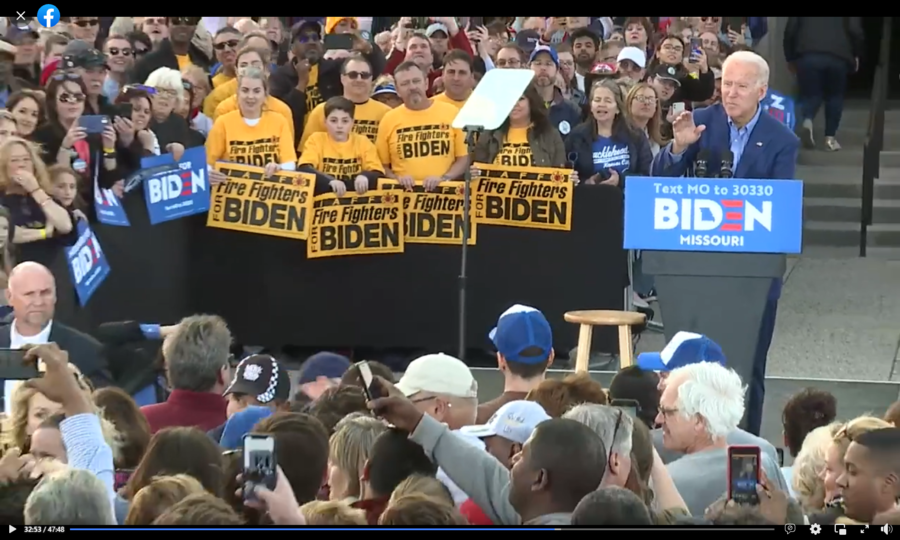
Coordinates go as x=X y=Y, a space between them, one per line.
x=48 y=16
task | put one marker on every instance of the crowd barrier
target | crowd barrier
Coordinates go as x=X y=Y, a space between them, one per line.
x=276 y=290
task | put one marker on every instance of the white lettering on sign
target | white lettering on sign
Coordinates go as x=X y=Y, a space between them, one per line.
x=172 y=186
x=708 y=215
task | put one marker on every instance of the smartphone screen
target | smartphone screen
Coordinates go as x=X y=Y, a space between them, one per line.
x=339 y=42
x=630 y=406
x=743 y=470
x=696 y=45
x=259 y=463
x=124 y=110
x=93 y=123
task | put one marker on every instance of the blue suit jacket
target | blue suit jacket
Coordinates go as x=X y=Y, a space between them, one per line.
x=771 y=151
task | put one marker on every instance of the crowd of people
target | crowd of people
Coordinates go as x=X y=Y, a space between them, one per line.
x=344 y=98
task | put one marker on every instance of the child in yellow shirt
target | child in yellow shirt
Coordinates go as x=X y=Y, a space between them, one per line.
x=339 y=157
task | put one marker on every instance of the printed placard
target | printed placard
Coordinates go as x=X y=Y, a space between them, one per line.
x=108 y=208
x=87 y=264
x=178 y=193
x=249 y=202
x=367 y=224
x=527 y=197
x=432 y=217
x=697 y=214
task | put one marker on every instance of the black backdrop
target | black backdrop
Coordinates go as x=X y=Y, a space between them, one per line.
x=271 y=295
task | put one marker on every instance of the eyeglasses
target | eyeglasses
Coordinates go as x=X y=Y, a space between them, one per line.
x=509 y=63
x=673 y=48
x=230 y=44
x=353 y=75
x=648 y=100
x=612 y=444
x=66 y=97
x=140 y=52
x=710 y=19
x=152 y=20
x=168 y=92
x=115 y=51
x=85 y=24
x=184 y=21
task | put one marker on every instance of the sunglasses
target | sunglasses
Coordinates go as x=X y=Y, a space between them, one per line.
x=159 y=21
x=710 y=19
x=353 y=75
x=115 y=51
x=184 y=21
x=140 y=52
x=230 y=44
x=85 y=24
x=64 y=76
x=66 y=97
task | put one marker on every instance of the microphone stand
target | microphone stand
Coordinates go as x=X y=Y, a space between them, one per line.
x=472 y=134
x=727 y=171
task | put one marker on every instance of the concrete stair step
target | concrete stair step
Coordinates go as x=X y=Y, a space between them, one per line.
x=852 y=157
x=846 y=182
x=855 y=137
x=851 y=252
x=849 y=209
x=827 y=233
x=859 y=117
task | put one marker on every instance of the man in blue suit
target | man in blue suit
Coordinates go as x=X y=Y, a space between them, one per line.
x=762 y=147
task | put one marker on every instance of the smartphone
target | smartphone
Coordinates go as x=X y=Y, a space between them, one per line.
x=734 y=23
x=338 y=42
x=367 y=380
x=630 y=406
x=259 y=463
x=475 y=22
x=13 y=366
x=780 y=452
x=696 y=45
x=678 y=107
x=743 y=474
x=94 y=123
x=124 y=110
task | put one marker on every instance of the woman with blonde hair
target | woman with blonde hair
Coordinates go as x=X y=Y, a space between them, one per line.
x=348 y=452
x=808 y=481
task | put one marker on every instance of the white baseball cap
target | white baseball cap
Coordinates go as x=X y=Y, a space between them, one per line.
x=514 y=421
x=634 y=54
x=438 y=374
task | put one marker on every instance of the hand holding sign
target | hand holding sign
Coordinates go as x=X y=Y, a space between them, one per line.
x=338 y=187
x=685 y=132
x=271 y=168
x=406 y=181
x=361 y=185
x=216 y=177
x=176 y=149
x=431 y=183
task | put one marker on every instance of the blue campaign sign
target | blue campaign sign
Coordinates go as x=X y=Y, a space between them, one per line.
x=735 y=215
x=87 y=265
x=780 y=107
x=179 y=193
x=108 y=207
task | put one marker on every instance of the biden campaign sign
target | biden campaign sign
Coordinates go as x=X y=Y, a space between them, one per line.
x=780 y=107
x=108 y=207
x=182 y=191
x=713 y=214
x=87 y=265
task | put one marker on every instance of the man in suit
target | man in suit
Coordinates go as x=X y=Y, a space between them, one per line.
x=763 y=148
x=32 y=295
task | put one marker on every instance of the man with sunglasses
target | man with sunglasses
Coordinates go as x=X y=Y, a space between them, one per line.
x=176 y=52
x=225 y=45
x=85 y=29
x=119 y=59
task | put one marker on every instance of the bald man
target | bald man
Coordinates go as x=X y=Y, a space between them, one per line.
x=32 y=294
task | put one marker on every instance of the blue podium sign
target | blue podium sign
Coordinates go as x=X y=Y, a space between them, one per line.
x=733 y=215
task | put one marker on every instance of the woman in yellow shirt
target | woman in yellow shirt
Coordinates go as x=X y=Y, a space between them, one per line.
x=226 y=89
x=340 y=157
x=252 y=135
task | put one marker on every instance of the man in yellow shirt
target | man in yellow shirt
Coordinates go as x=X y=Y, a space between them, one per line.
x=356 y=79
x=225 y=46
x=415 y=141
x=458 y=78
x=227 y=89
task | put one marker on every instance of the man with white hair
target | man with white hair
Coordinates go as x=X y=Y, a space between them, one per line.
x=614 y=427
x=761 y=147
x=72 y=497
x=701 y=404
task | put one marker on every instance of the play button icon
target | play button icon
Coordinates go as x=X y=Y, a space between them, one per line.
x=11 y=528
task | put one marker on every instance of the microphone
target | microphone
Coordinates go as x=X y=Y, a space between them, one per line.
x=573 y=158
x=702 y=163
x=727 y=165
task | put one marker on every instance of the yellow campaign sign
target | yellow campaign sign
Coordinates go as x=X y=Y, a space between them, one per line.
x=355 y=225
x=528 y=197
x=250 y=202
x=432 y=217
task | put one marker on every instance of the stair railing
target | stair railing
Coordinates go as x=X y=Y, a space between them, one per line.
x=875 y=136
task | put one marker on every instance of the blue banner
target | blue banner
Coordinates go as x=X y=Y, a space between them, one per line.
x=780 y=107
x=714 y=214
x=109 y=208
x=179 y=193
x=87 y=264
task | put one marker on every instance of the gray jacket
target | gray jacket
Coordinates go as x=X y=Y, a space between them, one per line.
x=476 y=472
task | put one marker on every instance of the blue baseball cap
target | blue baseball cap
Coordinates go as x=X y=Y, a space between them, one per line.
x=323 y=364
x=684 y=349
x=520 y=328
x=544 y=49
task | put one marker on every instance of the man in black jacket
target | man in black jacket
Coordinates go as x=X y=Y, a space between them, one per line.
x=175 y=52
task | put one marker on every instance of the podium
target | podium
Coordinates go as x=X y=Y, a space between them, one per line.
x=716 y=248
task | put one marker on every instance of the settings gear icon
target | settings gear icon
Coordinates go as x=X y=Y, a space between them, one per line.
x=815 y=528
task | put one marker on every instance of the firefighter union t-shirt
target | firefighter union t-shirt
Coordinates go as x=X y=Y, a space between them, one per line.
x=267 y=140
x=515 y=152
x=420 y=143
x=610 y=154
x=340 y=160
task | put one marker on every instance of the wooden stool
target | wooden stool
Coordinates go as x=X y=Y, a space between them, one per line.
x=588 y=319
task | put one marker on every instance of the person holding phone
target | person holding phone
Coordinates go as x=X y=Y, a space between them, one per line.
x=673 y=52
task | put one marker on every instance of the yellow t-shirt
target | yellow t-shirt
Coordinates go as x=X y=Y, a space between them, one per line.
x=220 y=78
x=341 y=160
x=218 y=95
x=366 y=118
x=313 y=96
x=420 y=143
x=183 y=61
x=515 y=152
x=444 y=98
x=232 y=139
x=272 y=103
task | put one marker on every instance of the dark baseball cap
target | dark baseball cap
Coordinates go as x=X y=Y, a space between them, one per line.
x=666 y=72
x=262 y=377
